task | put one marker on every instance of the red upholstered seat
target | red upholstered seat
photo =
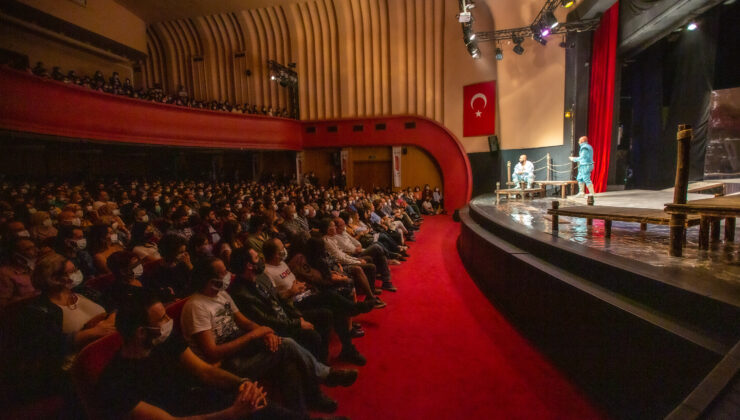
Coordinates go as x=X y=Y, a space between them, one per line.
x=174 y=310
x=88 y=366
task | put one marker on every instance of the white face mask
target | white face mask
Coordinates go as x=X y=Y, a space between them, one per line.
x=164 y=332
x=79 y=213
x=114 y=238
x=23 y=234
x=138 y=271
x=47 y=222
x=225 y=282
x=145 y=218
x=31 y=211
x=284 y=254
x=75 y=279
x=116 y=212
x=114 y=226
x=76 y=222
x=80 y=244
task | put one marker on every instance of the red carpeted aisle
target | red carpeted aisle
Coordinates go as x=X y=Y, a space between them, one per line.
x=440 y=350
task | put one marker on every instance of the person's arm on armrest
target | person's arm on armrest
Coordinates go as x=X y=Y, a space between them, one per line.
x=216 y=352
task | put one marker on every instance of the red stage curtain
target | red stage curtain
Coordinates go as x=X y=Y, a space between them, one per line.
x=601 y=94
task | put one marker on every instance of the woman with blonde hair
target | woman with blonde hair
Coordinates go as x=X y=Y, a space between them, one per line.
x=41 y=227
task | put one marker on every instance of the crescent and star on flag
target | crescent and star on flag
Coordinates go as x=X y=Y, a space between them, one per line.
x=478 y=112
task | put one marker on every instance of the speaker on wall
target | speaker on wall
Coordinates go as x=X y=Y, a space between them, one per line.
x=493 y=143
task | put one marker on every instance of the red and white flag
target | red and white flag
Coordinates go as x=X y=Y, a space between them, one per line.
x=479 y=109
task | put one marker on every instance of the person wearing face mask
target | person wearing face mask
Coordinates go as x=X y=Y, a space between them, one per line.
x=42 y=227
x=15 y=273
x=127 y=271
x=44 y=335
x=155 y=375
x=217 y=331
x=72 y=244
x=253 y=291
x=173 y=272
x=103 y=242
x=257 y=233
x=144 y=242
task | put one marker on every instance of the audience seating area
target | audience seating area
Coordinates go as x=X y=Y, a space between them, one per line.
x=114 y=85
x=112 y=240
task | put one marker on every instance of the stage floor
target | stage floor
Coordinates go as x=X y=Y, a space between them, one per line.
x=719 y=266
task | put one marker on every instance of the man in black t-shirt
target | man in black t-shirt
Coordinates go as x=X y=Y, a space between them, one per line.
x=156 y=376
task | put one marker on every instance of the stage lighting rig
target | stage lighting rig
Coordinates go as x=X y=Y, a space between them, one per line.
x=499 y=54
x=544 y=25
x=284 y=75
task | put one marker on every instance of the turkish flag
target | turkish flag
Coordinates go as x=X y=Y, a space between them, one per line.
x=479 y=109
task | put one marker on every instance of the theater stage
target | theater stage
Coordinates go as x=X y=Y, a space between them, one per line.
x=636 y=328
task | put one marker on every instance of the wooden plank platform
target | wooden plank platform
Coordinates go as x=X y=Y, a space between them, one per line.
x=506 y=192
x=711 y=211
x=565 y=186
x=623 y=214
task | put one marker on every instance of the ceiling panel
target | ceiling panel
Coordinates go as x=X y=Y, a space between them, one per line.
x=162 y=10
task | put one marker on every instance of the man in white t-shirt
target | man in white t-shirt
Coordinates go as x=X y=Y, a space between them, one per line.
x=523 y=172
x=217 y=332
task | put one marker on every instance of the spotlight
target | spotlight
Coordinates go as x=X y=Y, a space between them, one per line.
x=692 y=26
x=545 y=32
x=539 y=35
x=273 y=77
x=568 y=114
x=550 y=20
x=468 y=34
x=499 y=54
x=473 y=50
x=567 y=3
x=519 y=49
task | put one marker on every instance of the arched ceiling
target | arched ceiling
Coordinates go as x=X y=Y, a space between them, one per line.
x=152 y=11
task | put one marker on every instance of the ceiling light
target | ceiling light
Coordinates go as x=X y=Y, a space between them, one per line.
x=537 y=37
x=550 y=20
x=692 y=26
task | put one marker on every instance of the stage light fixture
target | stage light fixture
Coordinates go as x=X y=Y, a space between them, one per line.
x=568 y=114
x=499 y=54
x=473 y=50
x=567 y=3
x=692 y=26
x=550 y=20
x=519 y=49
x=537 y=36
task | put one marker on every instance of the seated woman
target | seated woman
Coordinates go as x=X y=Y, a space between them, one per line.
x=173 y=271
x=144 y=242
x=229 y=241
x=103 y=243
x=41 y=227
x=127 y=271
x=109 y=214
x=43 y=335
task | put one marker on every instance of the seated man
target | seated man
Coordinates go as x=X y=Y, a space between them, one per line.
x=523 y=172
x=218 y=332
x=155 y=375
x=254 y=293
x=352 y=247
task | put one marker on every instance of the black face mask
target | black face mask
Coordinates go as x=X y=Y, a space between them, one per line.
x=259 y=267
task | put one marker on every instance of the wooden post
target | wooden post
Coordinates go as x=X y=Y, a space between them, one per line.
x=730 y=229
x=608 y=228
x=508 y=173
x=590 y=202
x=643 y=226
x=680 y=190
x=549 y=167
x=555 y=221
x=703 y=232
x=715 y=221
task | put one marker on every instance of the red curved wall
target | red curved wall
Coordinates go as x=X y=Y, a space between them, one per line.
x=434 y=138
x=29 y=103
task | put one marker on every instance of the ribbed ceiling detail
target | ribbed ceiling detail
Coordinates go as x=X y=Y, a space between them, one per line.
x=355 y=58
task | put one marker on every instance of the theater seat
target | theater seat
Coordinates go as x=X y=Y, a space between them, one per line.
x=88 y=366
x=101 y=283
x=174 y=310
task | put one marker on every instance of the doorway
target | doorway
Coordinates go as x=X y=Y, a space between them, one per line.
x=372 y=174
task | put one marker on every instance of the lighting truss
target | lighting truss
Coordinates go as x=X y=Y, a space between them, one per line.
x=526 y=31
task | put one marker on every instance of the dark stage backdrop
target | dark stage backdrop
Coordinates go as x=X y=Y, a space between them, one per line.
x=669 y=84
